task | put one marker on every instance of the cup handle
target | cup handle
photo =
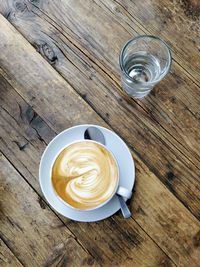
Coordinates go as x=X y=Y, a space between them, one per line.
x=122 y=191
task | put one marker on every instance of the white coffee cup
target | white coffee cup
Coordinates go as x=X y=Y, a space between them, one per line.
x=122 y=191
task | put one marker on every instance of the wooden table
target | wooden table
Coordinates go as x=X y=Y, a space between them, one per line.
x=59 y=68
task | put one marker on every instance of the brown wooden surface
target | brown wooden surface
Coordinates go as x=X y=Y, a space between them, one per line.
x=177 y=113
x=77 y=81
x=6 y=256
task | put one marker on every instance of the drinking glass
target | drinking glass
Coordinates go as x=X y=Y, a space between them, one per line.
x=144 y=61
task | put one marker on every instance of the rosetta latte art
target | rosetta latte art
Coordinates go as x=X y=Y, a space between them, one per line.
x=85 y=175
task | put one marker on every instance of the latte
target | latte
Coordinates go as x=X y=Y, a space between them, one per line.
x=85 y=175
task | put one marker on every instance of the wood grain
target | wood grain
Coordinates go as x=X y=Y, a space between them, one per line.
x=177 y=22
x=7 y=258
x=167 y=221
x=20 y=142
x=34 y=233
x=119 y=246
x=46 y=89
x=170 y=121
x=163 y=232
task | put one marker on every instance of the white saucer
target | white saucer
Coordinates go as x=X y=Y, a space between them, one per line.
x=119 y=150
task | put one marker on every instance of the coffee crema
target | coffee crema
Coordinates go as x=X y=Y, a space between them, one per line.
x=85 y=175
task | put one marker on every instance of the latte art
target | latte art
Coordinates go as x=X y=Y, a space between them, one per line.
x=85 y=175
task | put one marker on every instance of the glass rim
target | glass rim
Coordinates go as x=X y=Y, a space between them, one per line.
x=140 y=37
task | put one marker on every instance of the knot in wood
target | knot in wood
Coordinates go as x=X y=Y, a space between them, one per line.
x=46 y=51
x=21 y=6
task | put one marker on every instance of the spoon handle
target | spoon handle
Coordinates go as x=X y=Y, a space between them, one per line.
x=124 y=208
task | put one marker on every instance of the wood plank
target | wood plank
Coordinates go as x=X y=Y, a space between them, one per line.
x=169 y=121
x=115 y=240
x=131 y=15
x=33 y=232
x=128 y=14
x=169 y=220
x=7 y=258
x=46 y=91
x=106 y=241
x=177 y=22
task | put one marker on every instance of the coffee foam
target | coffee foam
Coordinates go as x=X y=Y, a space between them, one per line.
x=85 y=175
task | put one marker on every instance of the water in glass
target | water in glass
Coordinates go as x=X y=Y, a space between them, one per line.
x=144 y=61
x=142 y=67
